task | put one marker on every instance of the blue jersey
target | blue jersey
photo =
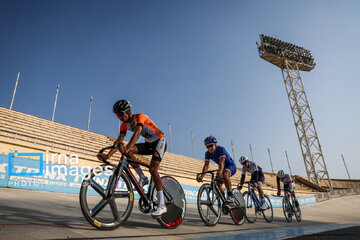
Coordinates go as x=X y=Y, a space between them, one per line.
x=220 y=153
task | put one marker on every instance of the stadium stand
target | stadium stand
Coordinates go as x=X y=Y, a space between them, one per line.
x=27 y=133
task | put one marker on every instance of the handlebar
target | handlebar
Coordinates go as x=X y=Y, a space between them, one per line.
x=249 y=182
x=211 y=171
x=212 y=175
x=114 y=146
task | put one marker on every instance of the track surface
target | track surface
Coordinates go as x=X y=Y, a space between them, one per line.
x=26 y=214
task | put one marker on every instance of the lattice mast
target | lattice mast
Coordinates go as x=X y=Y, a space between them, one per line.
x=292 y=59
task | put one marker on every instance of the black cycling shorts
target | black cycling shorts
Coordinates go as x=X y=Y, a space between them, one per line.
x=156 y=149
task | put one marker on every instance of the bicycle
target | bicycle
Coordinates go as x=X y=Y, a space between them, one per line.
x=114 y=196
x=289 y=207
x=214 y=201
x=253 y=205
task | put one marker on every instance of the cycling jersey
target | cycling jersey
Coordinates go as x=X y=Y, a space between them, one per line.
x=219 y=154
x=288 y=183
x=286 y=179
x=149 y=131
x=257 y=174
x=252 y=168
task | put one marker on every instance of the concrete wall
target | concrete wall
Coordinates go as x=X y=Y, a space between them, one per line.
x=337 y=193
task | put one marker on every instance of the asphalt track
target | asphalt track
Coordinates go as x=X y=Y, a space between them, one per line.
x=26 y=214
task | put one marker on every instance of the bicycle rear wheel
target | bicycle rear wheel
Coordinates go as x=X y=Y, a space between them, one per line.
x=238 y=213
x=209 y=205
x=102 y=212
x=268 y=211
x=287 y=209
x=175 y=202
x=250 y=212
x=297 y=211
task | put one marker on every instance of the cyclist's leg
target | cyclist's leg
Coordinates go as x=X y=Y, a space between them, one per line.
x=219 y=184
x=292 y=191
x=259 y=187
x=228 y=172
x=227 y=181
x=139 y=148
x=259 y=184
x=154 y=166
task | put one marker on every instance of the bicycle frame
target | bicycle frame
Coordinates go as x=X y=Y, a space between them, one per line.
x=253 y=196
x=215 y=186
x=123 y=166
x=287 y=196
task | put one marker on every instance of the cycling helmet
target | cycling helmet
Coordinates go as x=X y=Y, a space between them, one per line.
x=281 y=174
x=121 y=105
x=210 y=139
x=243 y=160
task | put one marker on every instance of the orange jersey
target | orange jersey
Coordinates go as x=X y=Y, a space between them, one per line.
x=149 y=130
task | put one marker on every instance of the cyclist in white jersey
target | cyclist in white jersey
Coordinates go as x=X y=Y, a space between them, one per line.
x=257 y=177
x=289 y=184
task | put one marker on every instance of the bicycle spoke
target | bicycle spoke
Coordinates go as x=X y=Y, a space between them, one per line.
x=97 y=187
x=100 y=206
x=213 y=210
x=204 y=203
x=121 y=194
x=208 y=198
x=114 y=209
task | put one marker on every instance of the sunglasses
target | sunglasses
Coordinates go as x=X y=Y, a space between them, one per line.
x=120 y=114
x=209 y=146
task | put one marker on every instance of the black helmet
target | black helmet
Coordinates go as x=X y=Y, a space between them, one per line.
x=121 y=105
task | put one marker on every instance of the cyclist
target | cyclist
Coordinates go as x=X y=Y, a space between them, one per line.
x=257 y=177
x=227 y=167
x=289 y=184
x=155 y=145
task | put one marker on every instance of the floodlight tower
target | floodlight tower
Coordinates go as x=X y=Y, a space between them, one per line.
x=292 y=59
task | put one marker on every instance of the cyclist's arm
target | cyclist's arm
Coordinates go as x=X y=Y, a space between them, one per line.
x=221 y=165
x=119 y=140
x=135 y=136
x=205 y=168
x=242 y=179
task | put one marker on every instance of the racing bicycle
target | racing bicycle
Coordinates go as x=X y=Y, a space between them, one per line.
x=107 y=196
x=289 y=207
x=211 y=203
x=253 y=205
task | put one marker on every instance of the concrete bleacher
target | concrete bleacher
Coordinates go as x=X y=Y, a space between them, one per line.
x=27 y=133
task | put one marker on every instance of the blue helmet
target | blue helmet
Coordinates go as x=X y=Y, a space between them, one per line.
x=210 y=139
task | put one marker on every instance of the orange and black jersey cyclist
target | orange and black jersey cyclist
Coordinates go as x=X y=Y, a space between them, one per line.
x=149 y=131
x=155 y=142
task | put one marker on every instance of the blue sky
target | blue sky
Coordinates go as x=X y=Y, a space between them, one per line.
x=193 y=64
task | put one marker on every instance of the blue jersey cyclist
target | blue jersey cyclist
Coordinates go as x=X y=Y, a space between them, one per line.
x=227 y=167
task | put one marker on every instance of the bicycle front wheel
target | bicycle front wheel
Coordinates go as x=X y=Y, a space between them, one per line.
x=287 y=209
x=100 y=211
x=175 y=202
x=268 y=211
x=209 y=205
x=251 y=212
x=238 y=212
